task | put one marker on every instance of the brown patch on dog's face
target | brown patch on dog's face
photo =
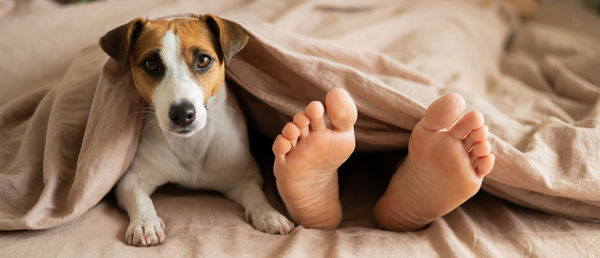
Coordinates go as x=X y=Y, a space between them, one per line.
x=198 y=46
x=177 y=64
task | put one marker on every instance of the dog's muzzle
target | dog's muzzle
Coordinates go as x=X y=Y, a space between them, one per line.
x=182 y=113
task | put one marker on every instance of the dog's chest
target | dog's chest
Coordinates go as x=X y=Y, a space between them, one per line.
x=206 y=163
x=191 y=159
x=214 y=158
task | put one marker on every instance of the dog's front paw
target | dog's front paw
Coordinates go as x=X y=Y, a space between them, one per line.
x=270 y=221
x=145 y=232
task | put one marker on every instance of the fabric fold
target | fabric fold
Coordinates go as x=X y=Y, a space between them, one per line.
x=64 y=146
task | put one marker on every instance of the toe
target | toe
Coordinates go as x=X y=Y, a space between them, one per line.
x=138 y=236
x=160 y=234
x=470 y=121
x=302 y=121
x=150 y=240
x=443 y=112
x=281 y=146
x=290 y=225
x=291 y=132
x=315 y=112
x=341 y=109
x=485 y=164
x=475 y=136
x=286 y=226
x=481 y=149
x=149 y=235
x=129 y=237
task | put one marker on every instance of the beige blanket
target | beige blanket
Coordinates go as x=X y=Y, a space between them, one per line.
x=69 y=121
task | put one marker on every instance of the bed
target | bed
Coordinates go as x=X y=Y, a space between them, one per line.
x=535 y=80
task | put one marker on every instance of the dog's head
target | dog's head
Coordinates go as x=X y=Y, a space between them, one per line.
x=177 y=64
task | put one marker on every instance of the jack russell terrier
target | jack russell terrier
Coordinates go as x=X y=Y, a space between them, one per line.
x=178 y=67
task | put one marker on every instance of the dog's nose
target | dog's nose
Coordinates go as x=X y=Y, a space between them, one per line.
x=182 y=114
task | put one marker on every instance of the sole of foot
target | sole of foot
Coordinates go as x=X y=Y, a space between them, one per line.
x=448 y=157
x=308 y=153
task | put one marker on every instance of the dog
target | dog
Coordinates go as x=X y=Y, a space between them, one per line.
x=178 y=67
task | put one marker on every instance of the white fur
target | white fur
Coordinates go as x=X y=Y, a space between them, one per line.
x=216 y=156
x=177 y=84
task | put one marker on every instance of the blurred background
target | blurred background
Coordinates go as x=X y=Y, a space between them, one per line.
x=13 y=7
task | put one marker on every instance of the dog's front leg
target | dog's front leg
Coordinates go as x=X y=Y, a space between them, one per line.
x=264 y=217
x=145 y=227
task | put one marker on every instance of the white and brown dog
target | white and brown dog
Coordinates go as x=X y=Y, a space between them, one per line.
x=178 y=66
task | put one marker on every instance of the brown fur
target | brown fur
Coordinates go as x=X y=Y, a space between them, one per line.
x=210 y=34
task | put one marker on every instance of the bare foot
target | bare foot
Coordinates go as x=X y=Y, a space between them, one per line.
x=445 y=165
x=307 y=159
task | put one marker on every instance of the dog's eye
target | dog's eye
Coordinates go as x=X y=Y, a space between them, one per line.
x=151 y=64
x=203 y=62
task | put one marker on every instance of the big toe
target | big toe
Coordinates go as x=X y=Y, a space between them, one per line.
x=341 y=109
x=443 y=112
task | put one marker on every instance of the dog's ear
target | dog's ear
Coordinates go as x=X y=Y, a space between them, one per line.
x=231 y=36
x=117 y=42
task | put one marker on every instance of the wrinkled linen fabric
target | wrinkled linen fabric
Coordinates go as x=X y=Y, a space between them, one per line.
x=70 y=117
